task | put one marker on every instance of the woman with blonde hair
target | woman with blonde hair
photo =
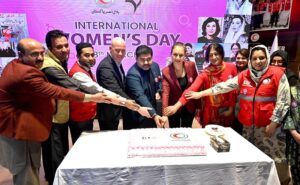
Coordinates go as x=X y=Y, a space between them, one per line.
x=177 y=77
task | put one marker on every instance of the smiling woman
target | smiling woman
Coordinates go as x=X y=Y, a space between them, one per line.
x=264 y=101
x=210 y=31
x=177 y=77
x=218 y=108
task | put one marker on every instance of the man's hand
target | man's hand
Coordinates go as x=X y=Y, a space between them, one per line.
x=157 y=120
x=161 y=122
x=165 y=122
x=193 y=95
x=144 y=111
x=271 y=129
x=132 y=105
x=99 y=98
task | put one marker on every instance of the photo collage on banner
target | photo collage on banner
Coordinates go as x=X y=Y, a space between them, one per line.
x=231 y=30
x=13 y=27
x=271 y=14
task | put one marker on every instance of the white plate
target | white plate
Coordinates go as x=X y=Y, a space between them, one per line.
x=214 y=130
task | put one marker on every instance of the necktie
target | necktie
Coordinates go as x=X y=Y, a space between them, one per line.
x=122 y=73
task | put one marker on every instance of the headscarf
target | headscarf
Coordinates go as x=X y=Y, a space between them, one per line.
x=256 y=75
x=283 y=54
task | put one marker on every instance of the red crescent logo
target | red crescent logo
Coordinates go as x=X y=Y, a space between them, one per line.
x=103 y=1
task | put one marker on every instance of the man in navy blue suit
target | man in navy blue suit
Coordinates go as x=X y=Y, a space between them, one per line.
x=143 y=84
x=111 y=76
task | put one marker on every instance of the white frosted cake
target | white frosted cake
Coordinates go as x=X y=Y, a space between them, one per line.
x=165 y=142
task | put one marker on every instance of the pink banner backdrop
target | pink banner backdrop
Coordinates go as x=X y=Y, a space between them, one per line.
x=155 y=23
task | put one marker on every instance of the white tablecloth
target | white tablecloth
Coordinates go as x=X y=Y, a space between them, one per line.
x=101 y=158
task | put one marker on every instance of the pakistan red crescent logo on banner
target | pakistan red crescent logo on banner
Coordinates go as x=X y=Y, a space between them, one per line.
x=134 y=3
x=105 y=1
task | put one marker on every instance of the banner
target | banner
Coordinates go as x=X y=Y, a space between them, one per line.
x=156 y=23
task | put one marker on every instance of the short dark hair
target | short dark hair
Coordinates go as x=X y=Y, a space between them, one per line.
x=218 y=47
x=20 y=48
x=244 y=52
x=189 y=45
x=81 y=46
x=180 y=44
x=208 y=20
x=53 y=34
x=142 y=50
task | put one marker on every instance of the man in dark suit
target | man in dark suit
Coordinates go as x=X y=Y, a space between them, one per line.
x=111 y=76
x=26 y=109
x=143 y=83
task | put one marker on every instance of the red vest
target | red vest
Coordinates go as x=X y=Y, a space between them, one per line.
x=81 y=111
x=257 y=102
x=286 y=5
x=274 y=7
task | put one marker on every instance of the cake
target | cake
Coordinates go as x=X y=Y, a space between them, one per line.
x=165 y=142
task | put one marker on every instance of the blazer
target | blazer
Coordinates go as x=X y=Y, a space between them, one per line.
x=138 y=87
x=26 y=102
x=171 y=90
x=109 y=77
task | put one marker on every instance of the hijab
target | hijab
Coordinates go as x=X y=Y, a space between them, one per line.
x=255 y=74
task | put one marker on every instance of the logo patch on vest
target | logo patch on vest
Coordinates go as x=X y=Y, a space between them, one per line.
x=266 y=81
x=245 y=91
x=246 y=83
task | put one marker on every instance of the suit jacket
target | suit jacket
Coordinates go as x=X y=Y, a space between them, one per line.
x=138 y=88
x=26 y=104
x=171 y=90
x=110 y=78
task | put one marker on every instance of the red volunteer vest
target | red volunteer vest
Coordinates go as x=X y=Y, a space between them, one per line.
x=257 y=102
x=81 y=111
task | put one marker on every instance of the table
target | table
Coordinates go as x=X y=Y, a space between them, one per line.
x=101 y=158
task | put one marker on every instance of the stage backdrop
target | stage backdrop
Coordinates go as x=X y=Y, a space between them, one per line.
x=156 y=23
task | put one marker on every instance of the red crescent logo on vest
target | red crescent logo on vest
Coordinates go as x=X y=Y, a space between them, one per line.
x=266 y=81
